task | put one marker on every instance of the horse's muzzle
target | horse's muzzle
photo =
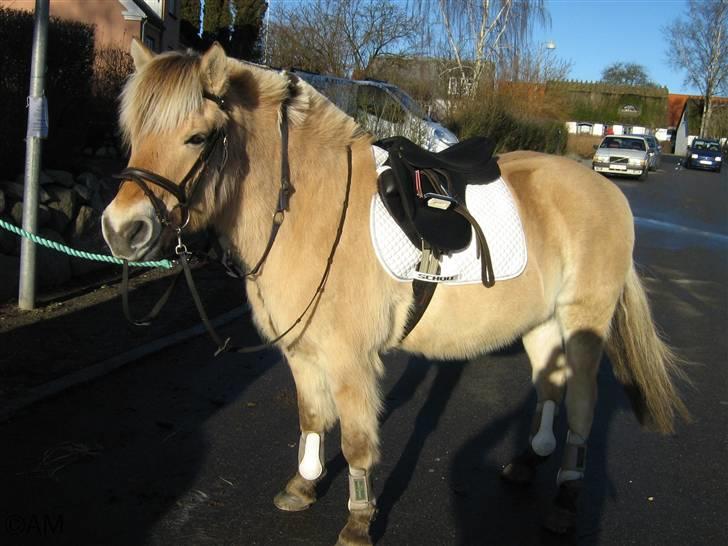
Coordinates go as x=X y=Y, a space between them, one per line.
x=134 y=238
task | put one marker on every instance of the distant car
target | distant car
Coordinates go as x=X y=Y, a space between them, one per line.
x=655 y=152
x=704 y=153
x=626 y=155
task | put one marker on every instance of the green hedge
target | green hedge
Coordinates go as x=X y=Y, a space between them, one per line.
x=70 y=57
x=494 y=120
x=603 y=102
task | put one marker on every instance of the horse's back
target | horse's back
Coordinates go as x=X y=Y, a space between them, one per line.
x=579 y=234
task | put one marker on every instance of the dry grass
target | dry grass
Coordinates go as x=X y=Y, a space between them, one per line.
x=582 y=145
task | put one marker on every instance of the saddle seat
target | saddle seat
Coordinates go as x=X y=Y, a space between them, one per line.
x=425 y=191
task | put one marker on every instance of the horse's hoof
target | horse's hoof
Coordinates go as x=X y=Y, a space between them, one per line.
x=356 y=531
x=298 y=494
x=288 y=502
x=522 y=468
x=561 y=519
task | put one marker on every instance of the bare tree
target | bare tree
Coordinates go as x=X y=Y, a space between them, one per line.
x=374 y=28
x=477 y=31
x=339 y=37
x=698 y=44
x=535 y=63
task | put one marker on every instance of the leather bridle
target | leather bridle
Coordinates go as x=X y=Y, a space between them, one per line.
x=183 y=192
x=184 y=196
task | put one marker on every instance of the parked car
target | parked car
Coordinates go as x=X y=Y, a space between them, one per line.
x=654 y=151
x=704 y=154
x=383 y=109
x=625 y=155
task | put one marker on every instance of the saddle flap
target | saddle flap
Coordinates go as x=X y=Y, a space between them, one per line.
x=415 y=172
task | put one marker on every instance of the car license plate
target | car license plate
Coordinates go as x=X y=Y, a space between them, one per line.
x=618 y=167
x=703 y=162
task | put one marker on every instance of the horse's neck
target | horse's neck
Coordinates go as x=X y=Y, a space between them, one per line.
x=313 y=205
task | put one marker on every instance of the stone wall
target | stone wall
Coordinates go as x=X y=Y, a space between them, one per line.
x=69 y=212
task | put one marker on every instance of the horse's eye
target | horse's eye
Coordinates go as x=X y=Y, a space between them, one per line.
x=197 y=139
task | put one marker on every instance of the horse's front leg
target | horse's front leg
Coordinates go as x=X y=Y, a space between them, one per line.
x=355 y=386
x=317 y=414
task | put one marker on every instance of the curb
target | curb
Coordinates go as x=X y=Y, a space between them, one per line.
x=95 y=371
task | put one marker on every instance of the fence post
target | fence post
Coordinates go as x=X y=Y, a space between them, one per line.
x=37 y=130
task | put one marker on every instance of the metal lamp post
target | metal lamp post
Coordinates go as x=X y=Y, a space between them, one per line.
x=37 y=130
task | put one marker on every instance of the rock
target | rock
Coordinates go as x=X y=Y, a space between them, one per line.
x=9 y=276
x=88 y=222
x=64 y=178
x=53 y=268
x=16 y=213
x=15 y=189
x=64 y=208
x=83 y=192
x=2 y=201
x=90 y=180
x=9 y=242
x=86 y=235
x=43 y=178
x=107 y=191
x=44 y=214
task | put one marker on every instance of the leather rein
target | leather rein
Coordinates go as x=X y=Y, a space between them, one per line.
x=184 y=196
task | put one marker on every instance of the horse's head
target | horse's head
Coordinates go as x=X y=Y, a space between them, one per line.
x=175 y=120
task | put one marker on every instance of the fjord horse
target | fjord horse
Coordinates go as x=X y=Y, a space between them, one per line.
x=214 y=143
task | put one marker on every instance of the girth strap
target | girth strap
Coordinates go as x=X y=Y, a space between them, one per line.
x=422 y=292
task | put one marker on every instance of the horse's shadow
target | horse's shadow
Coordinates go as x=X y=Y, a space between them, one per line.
x=483 y=505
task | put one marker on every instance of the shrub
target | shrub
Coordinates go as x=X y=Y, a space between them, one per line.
x=492 y=116
x=69 y=62
x=112 y=67
x=582 y=145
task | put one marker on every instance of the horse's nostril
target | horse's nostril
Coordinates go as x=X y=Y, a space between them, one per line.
x=138 y=233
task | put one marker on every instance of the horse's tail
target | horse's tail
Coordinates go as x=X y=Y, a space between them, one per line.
x=643 y=363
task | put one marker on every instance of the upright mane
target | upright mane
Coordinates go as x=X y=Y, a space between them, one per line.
x=166 y=91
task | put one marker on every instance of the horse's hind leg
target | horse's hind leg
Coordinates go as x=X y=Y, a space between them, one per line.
x=317 y=414
x=354 y=383
x=548 y=364
x=584 y=330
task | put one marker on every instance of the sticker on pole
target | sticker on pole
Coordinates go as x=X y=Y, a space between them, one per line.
x=37 y=117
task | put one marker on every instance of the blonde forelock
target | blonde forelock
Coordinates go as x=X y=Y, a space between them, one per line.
x=161 y=96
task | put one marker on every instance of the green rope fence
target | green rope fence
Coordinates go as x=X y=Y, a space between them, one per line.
x=164 y=264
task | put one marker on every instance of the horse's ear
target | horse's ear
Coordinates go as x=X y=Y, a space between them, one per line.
x=214 y=69
x=140 y=53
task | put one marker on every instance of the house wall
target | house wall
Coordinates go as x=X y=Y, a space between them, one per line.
x=106 y=15
x=112 y=29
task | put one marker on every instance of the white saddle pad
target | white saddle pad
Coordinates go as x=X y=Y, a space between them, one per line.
x=496 y=212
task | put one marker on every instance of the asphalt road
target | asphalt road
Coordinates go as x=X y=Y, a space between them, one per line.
x=183 y=449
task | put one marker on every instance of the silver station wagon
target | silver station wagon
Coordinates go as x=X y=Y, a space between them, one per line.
x=624 y=154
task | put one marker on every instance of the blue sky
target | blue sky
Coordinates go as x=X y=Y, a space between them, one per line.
x=595 y=33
